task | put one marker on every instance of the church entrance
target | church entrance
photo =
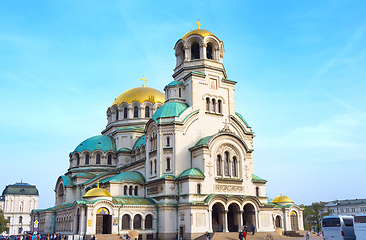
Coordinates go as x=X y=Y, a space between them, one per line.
x=233 y=218
x=218 y=217
x=294 y=221
x=103 y=222
x=278 y=222
x=249 y=216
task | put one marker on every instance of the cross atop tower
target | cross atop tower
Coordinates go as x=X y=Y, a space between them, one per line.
x=143 y=81
x=198 y=24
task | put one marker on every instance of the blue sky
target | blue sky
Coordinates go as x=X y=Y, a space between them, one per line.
x=300 y=68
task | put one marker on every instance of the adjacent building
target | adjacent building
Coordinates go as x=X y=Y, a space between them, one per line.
x=169 y=164
x=17 y=201
x=349 y=207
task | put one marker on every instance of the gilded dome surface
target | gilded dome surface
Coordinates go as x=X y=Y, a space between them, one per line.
x=97 y=192
x=201 y=32
x=282 y=199
x=140 y=94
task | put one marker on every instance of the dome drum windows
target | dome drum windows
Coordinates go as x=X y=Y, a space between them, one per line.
x=213 y=105
x=227 y=166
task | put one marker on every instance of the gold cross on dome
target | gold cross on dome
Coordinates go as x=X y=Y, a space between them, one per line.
x=143 y=81
x=98 y=184
x=198 y=24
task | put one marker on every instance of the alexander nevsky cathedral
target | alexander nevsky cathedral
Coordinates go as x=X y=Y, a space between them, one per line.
x=169 y=164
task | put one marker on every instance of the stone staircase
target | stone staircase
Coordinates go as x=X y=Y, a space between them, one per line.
x=293 y=234
x=108 y=237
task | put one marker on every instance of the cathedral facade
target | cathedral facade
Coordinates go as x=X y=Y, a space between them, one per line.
x=170 y=164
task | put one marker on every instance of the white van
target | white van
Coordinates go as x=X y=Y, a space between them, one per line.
x=359 y=224
x=338 y=228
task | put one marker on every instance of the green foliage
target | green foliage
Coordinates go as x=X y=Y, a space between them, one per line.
x=3 y=223
x=313 y=215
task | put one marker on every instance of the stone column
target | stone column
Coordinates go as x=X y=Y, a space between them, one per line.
x=82 y=220
x=241 y=219
x=203 y=50
x=143 y=224
x=225 y=221
x=209 y=213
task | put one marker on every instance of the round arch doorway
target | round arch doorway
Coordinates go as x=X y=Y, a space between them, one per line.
x=233 y=218
x=294 y=221
x=218 y=217
x=249 y=216
x=103 y=224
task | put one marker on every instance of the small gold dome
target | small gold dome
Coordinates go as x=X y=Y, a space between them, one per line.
x=97 y=192
x=140 y=94
x=201 y=32
x=282 y=199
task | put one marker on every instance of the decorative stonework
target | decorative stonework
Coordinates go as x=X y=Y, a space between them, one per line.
x=153 y=190
x=228 y=188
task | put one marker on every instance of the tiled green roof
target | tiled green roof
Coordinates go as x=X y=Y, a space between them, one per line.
x=168 y=176
x=100 y=142
x=229 y=80
x=175 y=83
x=67 y=181
x=124 y=149
x=85 y=174
x=170 y=109
x=242 y=118
x=209 y=197
x=203 y=141
x=20 y=189
x=133 y=201
x=126 y=176
x=192 y=172
x=258 y=179
x=141 y=141
x=131 y=128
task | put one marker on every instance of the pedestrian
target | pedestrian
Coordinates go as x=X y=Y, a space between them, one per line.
x=307 y=235
x=245 y=235
x=207 y=235
x=93 y=238
x=253 y=226
x=245 y=228
x=241 y=235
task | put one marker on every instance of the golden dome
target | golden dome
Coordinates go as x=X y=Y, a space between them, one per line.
x=282 y=199
x=201 y=32
x=140 y=94
x=97 y=192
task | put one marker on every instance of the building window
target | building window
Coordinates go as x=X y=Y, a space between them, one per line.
x=136 y=191
x=168 y=164
x=218 y=165
x=226 y=164
x=126 y=222
x=137 y=222
x=207 y=104
x=147 y=112
x=213 y=105
x=209 y=51
x=198 y=188
x=125 y=190
x=180 y=92
x=257 y=191
x=98 y=159
x=77 y=160
x=151 y=167
x=20 y=219
x=109 y=159
x=117 y=114
x=87 y=159
x=219 y=106
x=135 y=112
x=130 y=191
x=148 y=222
x=168 y=141
x=235 y=174
x=155 y=166
x=125 y=113
x=195 y=51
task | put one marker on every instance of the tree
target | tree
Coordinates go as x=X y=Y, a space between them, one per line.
x=3 y=223
x=313 y=215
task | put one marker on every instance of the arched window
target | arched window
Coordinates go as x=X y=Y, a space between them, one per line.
x=136 y=193
x=198 y=188
x=209 y=52
x=87 y=159
x=235 y=167
x=151 y=167
x=77 y=160
x=257 y=191
x=98 y=159
x=136 y=112
x=155 y=166
x=180 y=92
x=125 y=113
x=137 y=222
x=147 y=112
x=20 y=219
x=125 y=190
x=168 y=141
x=126 y=222
x=219 y=106
x=195 y=51
x=130 y=191
x=109 y=159
x=117 y=114
x=168 y=164
x=218 y=165
x=226 y=164
x=207 y=104
x=213 y=105
x=149 y=222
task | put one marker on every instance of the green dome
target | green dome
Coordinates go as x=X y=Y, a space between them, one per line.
x=141 y=141
x=126 y=176
x=192 y=172
x=170 y=109
x=175 y=83
x=100 y=142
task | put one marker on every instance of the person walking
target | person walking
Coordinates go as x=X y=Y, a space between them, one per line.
x=253 y=228
x=241 y=235
x=307 y=235
x=245 y=235
x=207 y=235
